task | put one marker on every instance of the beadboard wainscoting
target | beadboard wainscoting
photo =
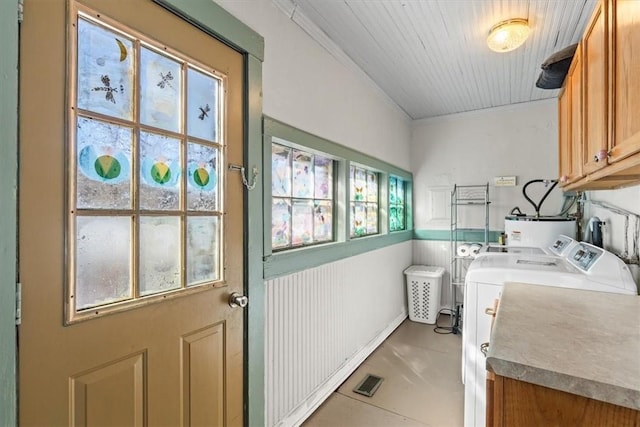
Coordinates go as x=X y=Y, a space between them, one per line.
x=436 y=253
x=322 y=323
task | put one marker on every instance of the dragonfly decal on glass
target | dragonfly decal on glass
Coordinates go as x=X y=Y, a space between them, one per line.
x=203 y=112
x=165 y=80
x=106 y=81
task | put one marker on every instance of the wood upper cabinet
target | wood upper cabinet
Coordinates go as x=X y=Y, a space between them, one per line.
x=606 y=143
x=595 y=102
x=570 y=123
x=625 y=79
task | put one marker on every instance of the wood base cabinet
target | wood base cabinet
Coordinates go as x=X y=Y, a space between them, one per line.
x=514 y=403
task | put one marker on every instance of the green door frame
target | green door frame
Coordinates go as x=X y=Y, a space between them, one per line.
x=8 y=201
x=216 y=21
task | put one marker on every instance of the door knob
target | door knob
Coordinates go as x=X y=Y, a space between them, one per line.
x=237 y=300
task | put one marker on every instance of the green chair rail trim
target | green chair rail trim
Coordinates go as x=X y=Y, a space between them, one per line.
x=464 y=235
x=292 y=261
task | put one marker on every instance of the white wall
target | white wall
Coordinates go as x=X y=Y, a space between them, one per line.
x=472 y=148
x=308 y=88
x=619 y=237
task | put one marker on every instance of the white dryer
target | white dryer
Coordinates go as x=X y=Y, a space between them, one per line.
x=576 y=265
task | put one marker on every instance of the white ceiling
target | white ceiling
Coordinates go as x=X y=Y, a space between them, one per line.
x=430 y=56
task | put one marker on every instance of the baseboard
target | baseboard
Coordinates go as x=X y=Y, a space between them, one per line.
x=304 y=410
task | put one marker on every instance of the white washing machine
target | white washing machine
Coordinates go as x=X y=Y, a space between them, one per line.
x=576 y=265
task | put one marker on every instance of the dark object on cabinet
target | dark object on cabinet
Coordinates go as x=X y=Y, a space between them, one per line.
x=555 y=68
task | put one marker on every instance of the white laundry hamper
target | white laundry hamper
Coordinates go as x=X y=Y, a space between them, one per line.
x=424 y=284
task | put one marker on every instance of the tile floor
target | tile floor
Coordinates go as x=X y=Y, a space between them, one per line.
x=421 y=387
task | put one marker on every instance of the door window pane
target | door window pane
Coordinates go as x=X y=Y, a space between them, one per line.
x=103 y=176
x=160 y=87
x=159 y=172
x=202 y=105
x=105 y=71
x=202 y=250
x=202 y=178
x=103 y=261
x=159 y=254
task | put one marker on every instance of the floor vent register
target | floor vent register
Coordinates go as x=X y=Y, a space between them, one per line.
x=369 y=385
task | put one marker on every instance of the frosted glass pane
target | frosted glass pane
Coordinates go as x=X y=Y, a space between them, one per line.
x=323 y=221
x=103 y=260
x=323 y=172
x=401 y=218
x=392 y=190
x=372 y=218
x=159 y=172
x=280 y=171
x=393 y=218
x=302 y=174
x=301 y=222
x=358 y=219
x=203 y=250
x=202 y=105
x=160 y=88
x=203 y=177
x=359 y=187
x=400 y=192
x=372 y=187
x=105 y=71
x=280 y=223
x=103 y=175
x=159 y=254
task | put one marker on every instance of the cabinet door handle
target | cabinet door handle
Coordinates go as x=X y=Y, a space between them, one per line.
x=490 y=311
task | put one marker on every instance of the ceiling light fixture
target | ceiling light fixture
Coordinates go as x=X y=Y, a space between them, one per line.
x=508 y=35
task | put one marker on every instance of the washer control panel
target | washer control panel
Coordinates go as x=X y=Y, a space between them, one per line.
x=584 y=256
x=561 y=244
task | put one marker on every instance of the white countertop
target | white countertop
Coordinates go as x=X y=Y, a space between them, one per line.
x=582 y=342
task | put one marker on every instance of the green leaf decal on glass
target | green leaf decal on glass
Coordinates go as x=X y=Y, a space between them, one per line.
x=161 y=173
x=201 y=177
x=107 y=167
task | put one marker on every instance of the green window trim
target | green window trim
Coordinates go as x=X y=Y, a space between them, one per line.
x=280 y=263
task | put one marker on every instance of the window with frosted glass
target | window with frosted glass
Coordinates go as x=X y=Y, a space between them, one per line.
x=397 y=216
x=146 y=178
x=363 y=201
x=302 y=198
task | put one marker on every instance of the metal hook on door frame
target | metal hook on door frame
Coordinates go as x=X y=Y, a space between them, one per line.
x=241 y=169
